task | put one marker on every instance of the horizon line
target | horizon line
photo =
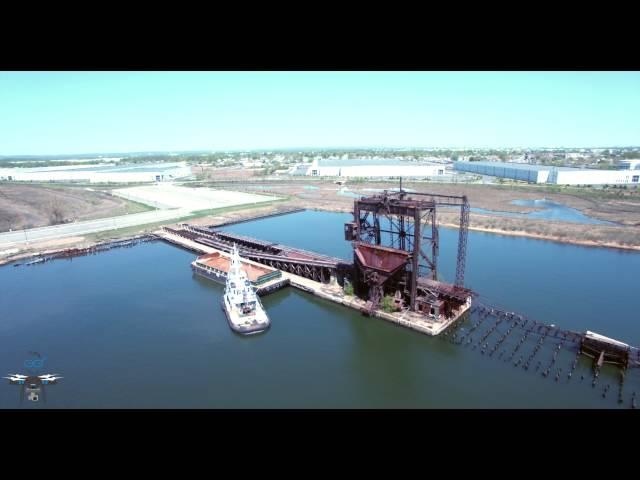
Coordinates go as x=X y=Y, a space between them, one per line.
x=301 y=149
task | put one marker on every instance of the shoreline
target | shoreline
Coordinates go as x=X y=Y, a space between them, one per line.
x=82 y=242
x=77 y=246
x=552 y=238
x=515 y=233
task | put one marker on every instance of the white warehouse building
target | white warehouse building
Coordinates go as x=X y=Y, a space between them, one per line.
x=630 y=164
x=372 y=168
x=550 y=174
x=99 y=173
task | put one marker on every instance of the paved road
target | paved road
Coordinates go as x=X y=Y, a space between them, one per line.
x=173 y=202
x=9 y=239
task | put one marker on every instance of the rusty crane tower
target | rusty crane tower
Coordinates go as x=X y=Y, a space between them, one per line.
x=395 y=242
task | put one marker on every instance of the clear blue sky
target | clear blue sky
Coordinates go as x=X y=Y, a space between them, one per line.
x=82 y=112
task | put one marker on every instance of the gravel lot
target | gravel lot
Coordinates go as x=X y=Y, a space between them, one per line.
x=166 y=196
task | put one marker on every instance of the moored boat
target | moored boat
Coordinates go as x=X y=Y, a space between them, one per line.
x=240 y=303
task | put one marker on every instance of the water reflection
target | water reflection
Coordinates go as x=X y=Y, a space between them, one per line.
x=124 y=314
x=549 y=211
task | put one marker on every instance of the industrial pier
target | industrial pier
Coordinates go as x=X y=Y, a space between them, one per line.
x=331 y=290
x=391 y=275
x=395 y=244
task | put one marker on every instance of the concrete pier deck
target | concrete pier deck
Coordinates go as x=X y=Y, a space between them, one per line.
x=408 y=319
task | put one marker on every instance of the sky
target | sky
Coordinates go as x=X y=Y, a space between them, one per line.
x=55 y=113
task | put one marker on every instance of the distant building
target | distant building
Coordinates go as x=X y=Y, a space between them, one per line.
x=99 y=173
x=550 y=174
x=373 y=168
x=252 y=163
x=630 y=164
x=299 y=169
x=520 y=159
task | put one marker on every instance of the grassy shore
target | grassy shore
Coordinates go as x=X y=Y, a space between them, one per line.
x=619 y=206
x=198 y=214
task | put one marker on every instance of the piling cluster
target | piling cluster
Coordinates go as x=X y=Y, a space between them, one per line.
x=559 y=338
x=92 y=250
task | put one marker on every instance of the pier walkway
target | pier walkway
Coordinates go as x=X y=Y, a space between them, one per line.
x=334 y=293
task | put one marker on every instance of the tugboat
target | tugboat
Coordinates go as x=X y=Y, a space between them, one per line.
x=241 y=305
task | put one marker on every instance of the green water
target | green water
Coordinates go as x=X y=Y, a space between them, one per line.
x=134 y=328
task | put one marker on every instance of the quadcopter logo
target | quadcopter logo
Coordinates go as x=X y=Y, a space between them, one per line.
x=33 y=384
x=34 y=364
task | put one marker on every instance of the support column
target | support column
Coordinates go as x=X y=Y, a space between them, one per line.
x=416 y=256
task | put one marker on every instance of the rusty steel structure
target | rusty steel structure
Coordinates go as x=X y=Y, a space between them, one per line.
x=384 y=258
x=395 y=241
x=314 y=266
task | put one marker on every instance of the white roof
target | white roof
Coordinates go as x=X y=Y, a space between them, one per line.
x=602 y=338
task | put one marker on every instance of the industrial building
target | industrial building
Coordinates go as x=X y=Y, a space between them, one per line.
x=630 y=164
x=368 y=168
x=99 y=173
x=550 y=174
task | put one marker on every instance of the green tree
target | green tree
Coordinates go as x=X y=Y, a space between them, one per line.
x=348 y=289
x=387 y=304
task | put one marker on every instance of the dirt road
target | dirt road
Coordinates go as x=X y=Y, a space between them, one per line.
x=187 y=201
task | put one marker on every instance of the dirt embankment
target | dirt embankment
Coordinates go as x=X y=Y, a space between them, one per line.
x=616 y=205
x=326 y=196
x=623 y=209
x=619 y=207
x=30 y=206
x=627 y=237
x=47 y=247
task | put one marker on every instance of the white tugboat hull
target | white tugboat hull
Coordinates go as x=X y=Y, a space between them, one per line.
x=239 y=327
x=240 y=303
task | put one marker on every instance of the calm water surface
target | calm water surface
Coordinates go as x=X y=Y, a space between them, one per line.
x=133 y=328
x=548 y=211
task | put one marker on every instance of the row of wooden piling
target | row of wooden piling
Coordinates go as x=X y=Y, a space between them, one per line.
x=92 y=250
x=546 y=332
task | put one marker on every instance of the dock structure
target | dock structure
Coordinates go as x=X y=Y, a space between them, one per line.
x=379 y=270
x=405 y=318
x=395 y=243
x=214 y=264
x=393 y=275
x=278 y=213
x=315 y=266
x=606 y=350
x=390 y=277
x=323 y=286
